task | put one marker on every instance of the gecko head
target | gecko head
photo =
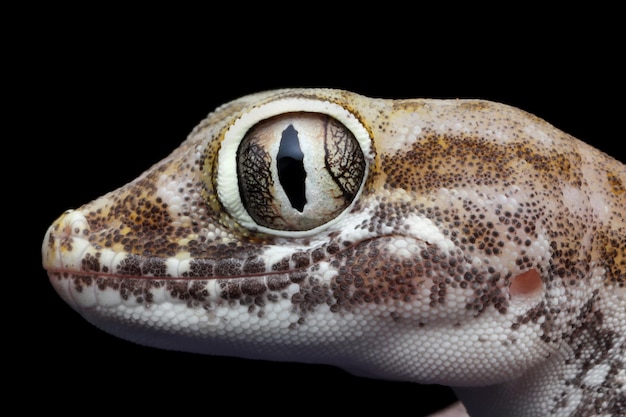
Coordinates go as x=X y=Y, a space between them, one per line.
x=322 y=226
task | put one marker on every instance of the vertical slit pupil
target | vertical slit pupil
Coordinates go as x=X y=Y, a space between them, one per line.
x=291 y=173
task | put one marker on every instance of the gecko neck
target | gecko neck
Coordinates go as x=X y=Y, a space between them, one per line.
x=521 y=397
x=562 y=386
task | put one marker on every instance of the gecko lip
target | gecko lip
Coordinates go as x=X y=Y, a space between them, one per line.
x=87 y=276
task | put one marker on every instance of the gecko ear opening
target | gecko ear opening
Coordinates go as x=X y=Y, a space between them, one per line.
x=527 y=284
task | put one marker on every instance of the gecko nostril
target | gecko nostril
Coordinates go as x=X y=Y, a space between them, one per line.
x=526 y=284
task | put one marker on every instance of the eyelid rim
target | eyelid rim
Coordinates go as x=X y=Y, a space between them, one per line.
x=227 y=181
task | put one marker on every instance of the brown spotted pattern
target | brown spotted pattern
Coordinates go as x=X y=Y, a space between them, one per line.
x=464 y=200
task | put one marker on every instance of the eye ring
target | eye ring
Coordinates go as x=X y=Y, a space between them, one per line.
x=227 y=181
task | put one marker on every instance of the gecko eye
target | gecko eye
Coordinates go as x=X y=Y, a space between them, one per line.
x=292 y=172
x=298 y=171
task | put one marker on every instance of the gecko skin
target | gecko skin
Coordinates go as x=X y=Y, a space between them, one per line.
x=456 y=242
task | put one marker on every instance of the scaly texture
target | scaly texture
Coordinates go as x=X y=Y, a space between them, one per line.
x=457 y=242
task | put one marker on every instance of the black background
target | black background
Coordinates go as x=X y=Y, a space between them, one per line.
x=104 y=101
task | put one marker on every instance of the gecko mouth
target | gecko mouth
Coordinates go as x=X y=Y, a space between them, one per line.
x=366 y=271
x=88 y=276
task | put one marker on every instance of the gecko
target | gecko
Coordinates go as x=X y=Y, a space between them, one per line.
x=457 y=242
